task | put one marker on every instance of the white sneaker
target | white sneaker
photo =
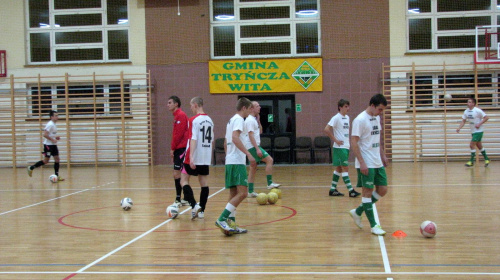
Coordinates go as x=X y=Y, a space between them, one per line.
x=225 y=228
x=178 y=204
x=201 y=215
x=356 y=218
x=253 y=194
x=273 y=186
x=184 y=202
x=377 y=230
x=196 y=210
x=237 y=229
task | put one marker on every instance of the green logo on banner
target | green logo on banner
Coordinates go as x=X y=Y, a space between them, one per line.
x=305 y=75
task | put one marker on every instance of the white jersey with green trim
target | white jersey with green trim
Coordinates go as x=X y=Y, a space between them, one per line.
x=234 y=155
x=474 y=117
x=340 y=125
x=369 y=130
x=251 y=124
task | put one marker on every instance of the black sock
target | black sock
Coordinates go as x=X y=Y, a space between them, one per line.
x=56 y=168
x=204 y=197
x=178 y=189
x=38 y=164
x=188 y=195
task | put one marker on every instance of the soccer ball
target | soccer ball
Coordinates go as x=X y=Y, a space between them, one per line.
x=172 y=211
x=262 y=198
x=447 y=97
x=126 y=203
x=277 y=191
x=53 y=178
x=428 y=229
x=272 y=197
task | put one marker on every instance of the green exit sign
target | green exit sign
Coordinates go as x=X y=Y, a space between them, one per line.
x=298 y=107
x=270 y=118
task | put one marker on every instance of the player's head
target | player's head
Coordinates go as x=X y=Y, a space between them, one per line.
x=174 y=102
x=471 y=102
x=343 y=105
x=377 y=104
x=244 y=106
x=255 y=107
x=196 y=103
x=54 y=116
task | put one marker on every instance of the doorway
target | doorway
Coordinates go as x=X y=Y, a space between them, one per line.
x=277 y=117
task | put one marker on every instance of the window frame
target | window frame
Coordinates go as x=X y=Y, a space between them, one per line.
x=291 y=21
x=57 y=100
x=434 y=16
x=51 y=29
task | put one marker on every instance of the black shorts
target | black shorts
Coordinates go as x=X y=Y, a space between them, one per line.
x=203 y=170
x=178 y=158
x=50 y=150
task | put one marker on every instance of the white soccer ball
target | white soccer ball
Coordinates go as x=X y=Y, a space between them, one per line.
x=428 y=229
x=53 y=178
x=172 y=211
x=126 y=203
x=447 y=97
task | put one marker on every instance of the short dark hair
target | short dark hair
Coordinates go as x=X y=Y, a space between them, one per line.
x=378 y=99
x=52 y=113
x=176 y=99
x=243 y=102
x=342 y=103
x=473 y=99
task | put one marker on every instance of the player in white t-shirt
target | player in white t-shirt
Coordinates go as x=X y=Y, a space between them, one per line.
x=338 y=130
x=252 y=144
x=370 y=161
x=49 y=146
x=236 y=172
x=198 y=157
x=476 y=118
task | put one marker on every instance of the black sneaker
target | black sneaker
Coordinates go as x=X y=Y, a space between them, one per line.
x=335 y=193
x=353 y=193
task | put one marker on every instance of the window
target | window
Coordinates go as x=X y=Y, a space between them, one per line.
x=430 y=89
x=81 y=100
x=444 y=25
x=62 y=31
x=271 y=28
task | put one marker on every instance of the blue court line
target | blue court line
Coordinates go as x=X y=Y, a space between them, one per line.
x=258 y=265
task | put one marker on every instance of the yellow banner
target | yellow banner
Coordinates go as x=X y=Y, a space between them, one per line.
x=266 y=75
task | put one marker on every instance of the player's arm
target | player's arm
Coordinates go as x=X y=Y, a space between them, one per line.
x=237 y=142
x=383 y=156
x=46 y=135
x=254 y=143
x=225 y=145
x=485 y=119
x=357 y=153
x=192 y=149
x=329 y=131
x=258 y=122
x=461 y=125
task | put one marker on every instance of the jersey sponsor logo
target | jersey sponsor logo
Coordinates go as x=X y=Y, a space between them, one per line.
x=375 y=145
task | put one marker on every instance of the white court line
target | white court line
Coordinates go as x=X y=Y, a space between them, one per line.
x=255 y=273
x=52 y=199
x=135 y=239
x=381 y=241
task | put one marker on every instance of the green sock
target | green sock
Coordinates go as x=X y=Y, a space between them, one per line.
x=347 y=182
x=250 y=187
x=472 y=156
x=269 y=179
x=368 y=207
x=224 y=215
x=335 y=180
x=483 y=152
x=232 y=219
x=360 y=210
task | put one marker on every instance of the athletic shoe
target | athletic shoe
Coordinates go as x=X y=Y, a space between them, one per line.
x=184 y=202
x=377 y=230
x=356 y=218
x=59 y=178
x=30 y=171
x=273 y=186
x=335 y=193
x=225 y=228
x=253 y=194
x=469 y=164
x=486 y=163
x=201 y=215
x=233 y=225
x=178 y=203
x=195 y=211
x=353 y=193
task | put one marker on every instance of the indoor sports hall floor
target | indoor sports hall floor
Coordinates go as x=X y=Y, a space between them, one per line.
x=76 y=229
